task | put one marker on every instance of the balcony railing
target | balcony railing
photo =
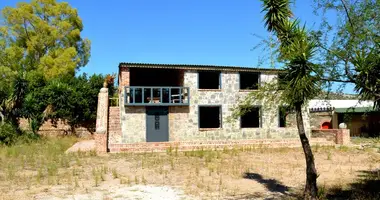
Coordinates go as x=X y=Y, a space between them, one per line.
x=157 y=96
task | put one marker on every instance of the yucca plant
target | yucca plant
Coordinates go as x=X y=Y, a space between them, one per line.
x=302 y=79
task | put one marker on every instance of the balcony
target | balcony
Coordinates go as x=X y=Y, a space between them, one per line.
x=157 y=96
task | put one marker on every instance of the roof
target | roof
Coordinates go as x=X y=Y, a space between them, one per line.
x=199 y=67
x=355 y=110
x=318 y=105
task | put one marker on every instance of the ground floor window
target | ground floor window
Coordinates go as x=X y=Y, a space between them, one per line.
x=251 y=118
x=210 y=117
x=282 y=113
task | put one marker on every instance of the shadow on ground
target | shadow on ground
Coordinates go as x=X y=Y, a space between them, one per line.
x=276 y=190
x=271 y=184
x=367 y=186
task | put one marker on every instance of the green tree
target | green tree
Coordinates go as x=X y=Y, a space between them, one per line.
x=350 y=44
x=70 y=99
x=301 y=80
x=37 y=38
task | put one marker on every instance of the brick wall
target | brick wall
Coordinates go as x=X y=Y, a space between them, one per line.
x=114 y=126
x=338 y=136
x=61 y=128
x=214 y=144
x=123 y=77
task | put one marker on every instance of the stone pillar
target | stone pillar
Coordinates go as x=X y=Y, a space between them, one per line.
x=343 y=136
x=101 y=134
x=335 y=120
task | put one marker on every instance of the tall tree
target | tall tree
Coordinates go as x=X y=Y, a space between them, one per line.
x=302 y=80
x=350 y=44
x=40 y=38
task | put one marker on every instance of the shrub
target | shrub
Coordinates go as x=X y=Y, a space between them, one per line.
x=9 y=135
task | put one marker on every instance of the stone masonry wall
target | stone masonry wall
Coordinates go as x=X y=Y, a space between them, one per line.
x=318 y=118
x=183 y=120
x=60 y=128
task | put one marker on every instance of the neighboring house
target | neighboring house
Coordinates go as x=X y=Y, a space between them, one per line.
x=359 y=116
x=167 y=102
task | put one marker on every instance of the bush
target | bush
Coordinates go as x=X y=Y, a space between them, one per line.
x=9 y=136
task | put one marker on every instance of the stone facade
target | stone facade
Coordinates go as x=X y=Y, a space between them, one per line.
x=318 y=118
x=183 y=120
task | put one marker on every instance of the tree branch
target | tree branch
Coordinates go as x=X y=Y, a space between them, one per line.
x=348 y=16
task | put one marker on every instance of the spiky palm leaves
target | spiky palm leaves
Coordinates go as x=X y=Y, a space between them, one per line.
x=277 y=13
x=295 y=49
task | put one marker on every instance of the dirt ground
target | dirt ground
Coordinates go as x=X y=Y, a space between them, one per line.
x=231 y=174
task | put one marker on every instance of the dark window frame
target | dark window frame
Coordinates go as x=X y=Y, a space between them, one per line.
x=219 y=79
x=260 y=117
x=258 y=80
x=280 y=81
x=220 y=116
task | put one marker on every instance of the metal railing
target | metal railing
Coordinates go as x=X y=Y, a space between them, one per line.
x=156 y=96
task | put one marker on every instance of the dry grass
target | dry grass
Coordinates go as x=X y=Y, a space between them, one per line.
x=27 y=170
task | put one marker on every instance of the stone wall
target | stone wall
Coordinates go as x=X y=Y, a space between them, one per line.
x=55 y=129
x=318 y=118
x=183 y=120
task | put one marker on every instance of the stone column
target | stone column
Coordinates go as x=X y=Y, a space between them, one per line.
x=101 y=134
x=343 y=136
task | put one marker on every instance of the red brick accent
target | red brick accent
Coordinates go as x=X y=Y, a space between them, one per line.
x=123 y=77
x=114 y=125
x=101 y=143
x=339 y=136
x=214 y=144
x=343 y=137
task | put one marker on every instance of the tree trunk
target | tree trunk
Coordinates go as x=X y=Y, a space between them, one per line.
x=311 y=188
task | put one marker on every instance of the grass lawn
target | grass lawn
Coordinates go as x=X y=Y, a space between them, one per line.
x=42 y=171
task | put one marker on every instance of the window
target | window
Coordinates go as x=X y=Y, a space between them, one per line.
x=249 y=81
x=281 y=81
x=283 y=113
x=251 y=119
x=209 y=80
x=210 y=117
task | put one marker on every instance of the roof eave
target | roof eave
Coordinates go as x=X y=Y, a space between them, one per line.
x=199 y=67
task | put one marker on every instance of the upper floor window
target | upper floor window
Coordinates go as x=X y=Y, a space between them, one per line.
x=249 y=80
x=209 y=80
x=281 y=81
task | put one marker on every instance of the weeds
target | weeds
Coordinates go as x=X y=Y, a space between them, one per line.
x=114 y=173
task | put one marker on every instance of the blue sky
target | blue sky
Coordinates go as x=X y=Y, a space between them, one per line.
x=217 y=32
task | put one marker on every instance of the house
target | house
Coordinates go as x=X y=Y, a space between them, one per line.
x=359 y=116
x=165 y=104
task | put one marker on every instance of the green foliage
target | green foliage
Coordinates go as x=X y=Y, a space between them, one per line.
x=10 y=136
x=44 y=36
x=7 y=134
x=71 y=99
x=40 y=41
x=276 y=14
x=350 y=44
